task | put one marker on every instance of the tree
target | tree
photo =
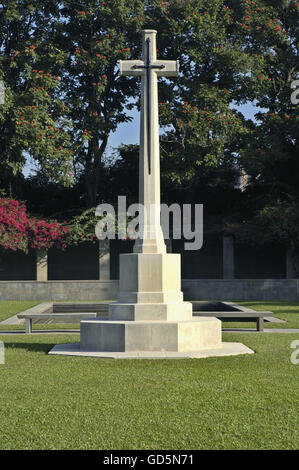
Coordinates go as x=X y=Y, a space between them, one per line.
x=202 y=133
x=269 y=152
x=95 y=37
x=231 y=52
x=31 y=123
x=205 y=128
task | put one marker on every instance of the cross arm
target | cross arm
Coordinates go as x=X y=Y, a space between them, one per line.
x=170 y=69
x=128 y=67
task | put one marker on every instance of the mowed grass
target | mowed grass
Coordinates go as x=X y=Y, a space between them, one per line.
x=8 y=308
x=60 y=402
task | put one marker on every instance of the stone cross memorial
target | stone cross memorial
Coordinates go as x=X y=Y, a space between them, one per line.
x=150 y=314
x=150 y=318
x=149 y=68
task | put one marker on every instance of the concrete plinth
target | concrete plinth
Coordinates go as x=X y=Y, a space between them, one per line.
x=150 y=318
x=150 y=289
x=155 y=273
x=143 y=336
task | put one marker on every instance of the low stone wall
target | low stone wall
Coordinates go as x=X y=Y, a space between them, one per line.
x=58 y=290
x=194 y=289
x=241 y=289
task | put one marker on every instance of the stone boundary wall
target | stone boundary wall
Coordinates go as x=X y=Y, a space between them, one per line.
x=217 y=259
x=194 y=289
x=241 y=289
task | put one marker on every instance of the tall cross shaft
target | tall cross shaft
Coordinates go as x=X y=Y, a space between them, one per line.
x=149 y=68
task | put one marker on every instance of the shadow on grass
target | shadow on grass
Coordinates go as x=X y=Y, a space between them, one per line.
x=282 y=311
x=278 y=303
x=32 y=347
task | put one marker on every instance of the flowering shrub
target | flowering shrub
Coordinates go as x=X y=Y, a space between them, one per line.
x=43 y=234
x=18 y=231
x=13 y=225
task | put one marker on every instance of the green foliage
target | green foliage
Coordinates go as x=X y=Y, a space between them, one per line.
x=231 y=52
x=95 y=38
x=31 y=123
x=205 y=130
x=269 y=152
x=82 y=227
x=272 y=224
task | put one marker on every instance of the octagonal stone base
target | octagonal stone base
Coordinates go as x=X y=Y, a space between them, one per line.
x=141 y=336
x=227 y=349
x=150 y=319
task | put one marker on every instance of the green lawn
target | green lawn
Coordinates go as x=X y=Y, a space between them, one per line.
x=241 y=402
x=8 y=308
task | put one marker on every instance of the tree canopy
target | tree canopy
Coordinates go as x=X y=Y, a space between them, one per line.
x=64 y=97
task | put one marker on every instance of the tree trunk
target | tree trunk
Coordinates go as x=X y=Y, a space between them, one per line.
x=93 y=170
